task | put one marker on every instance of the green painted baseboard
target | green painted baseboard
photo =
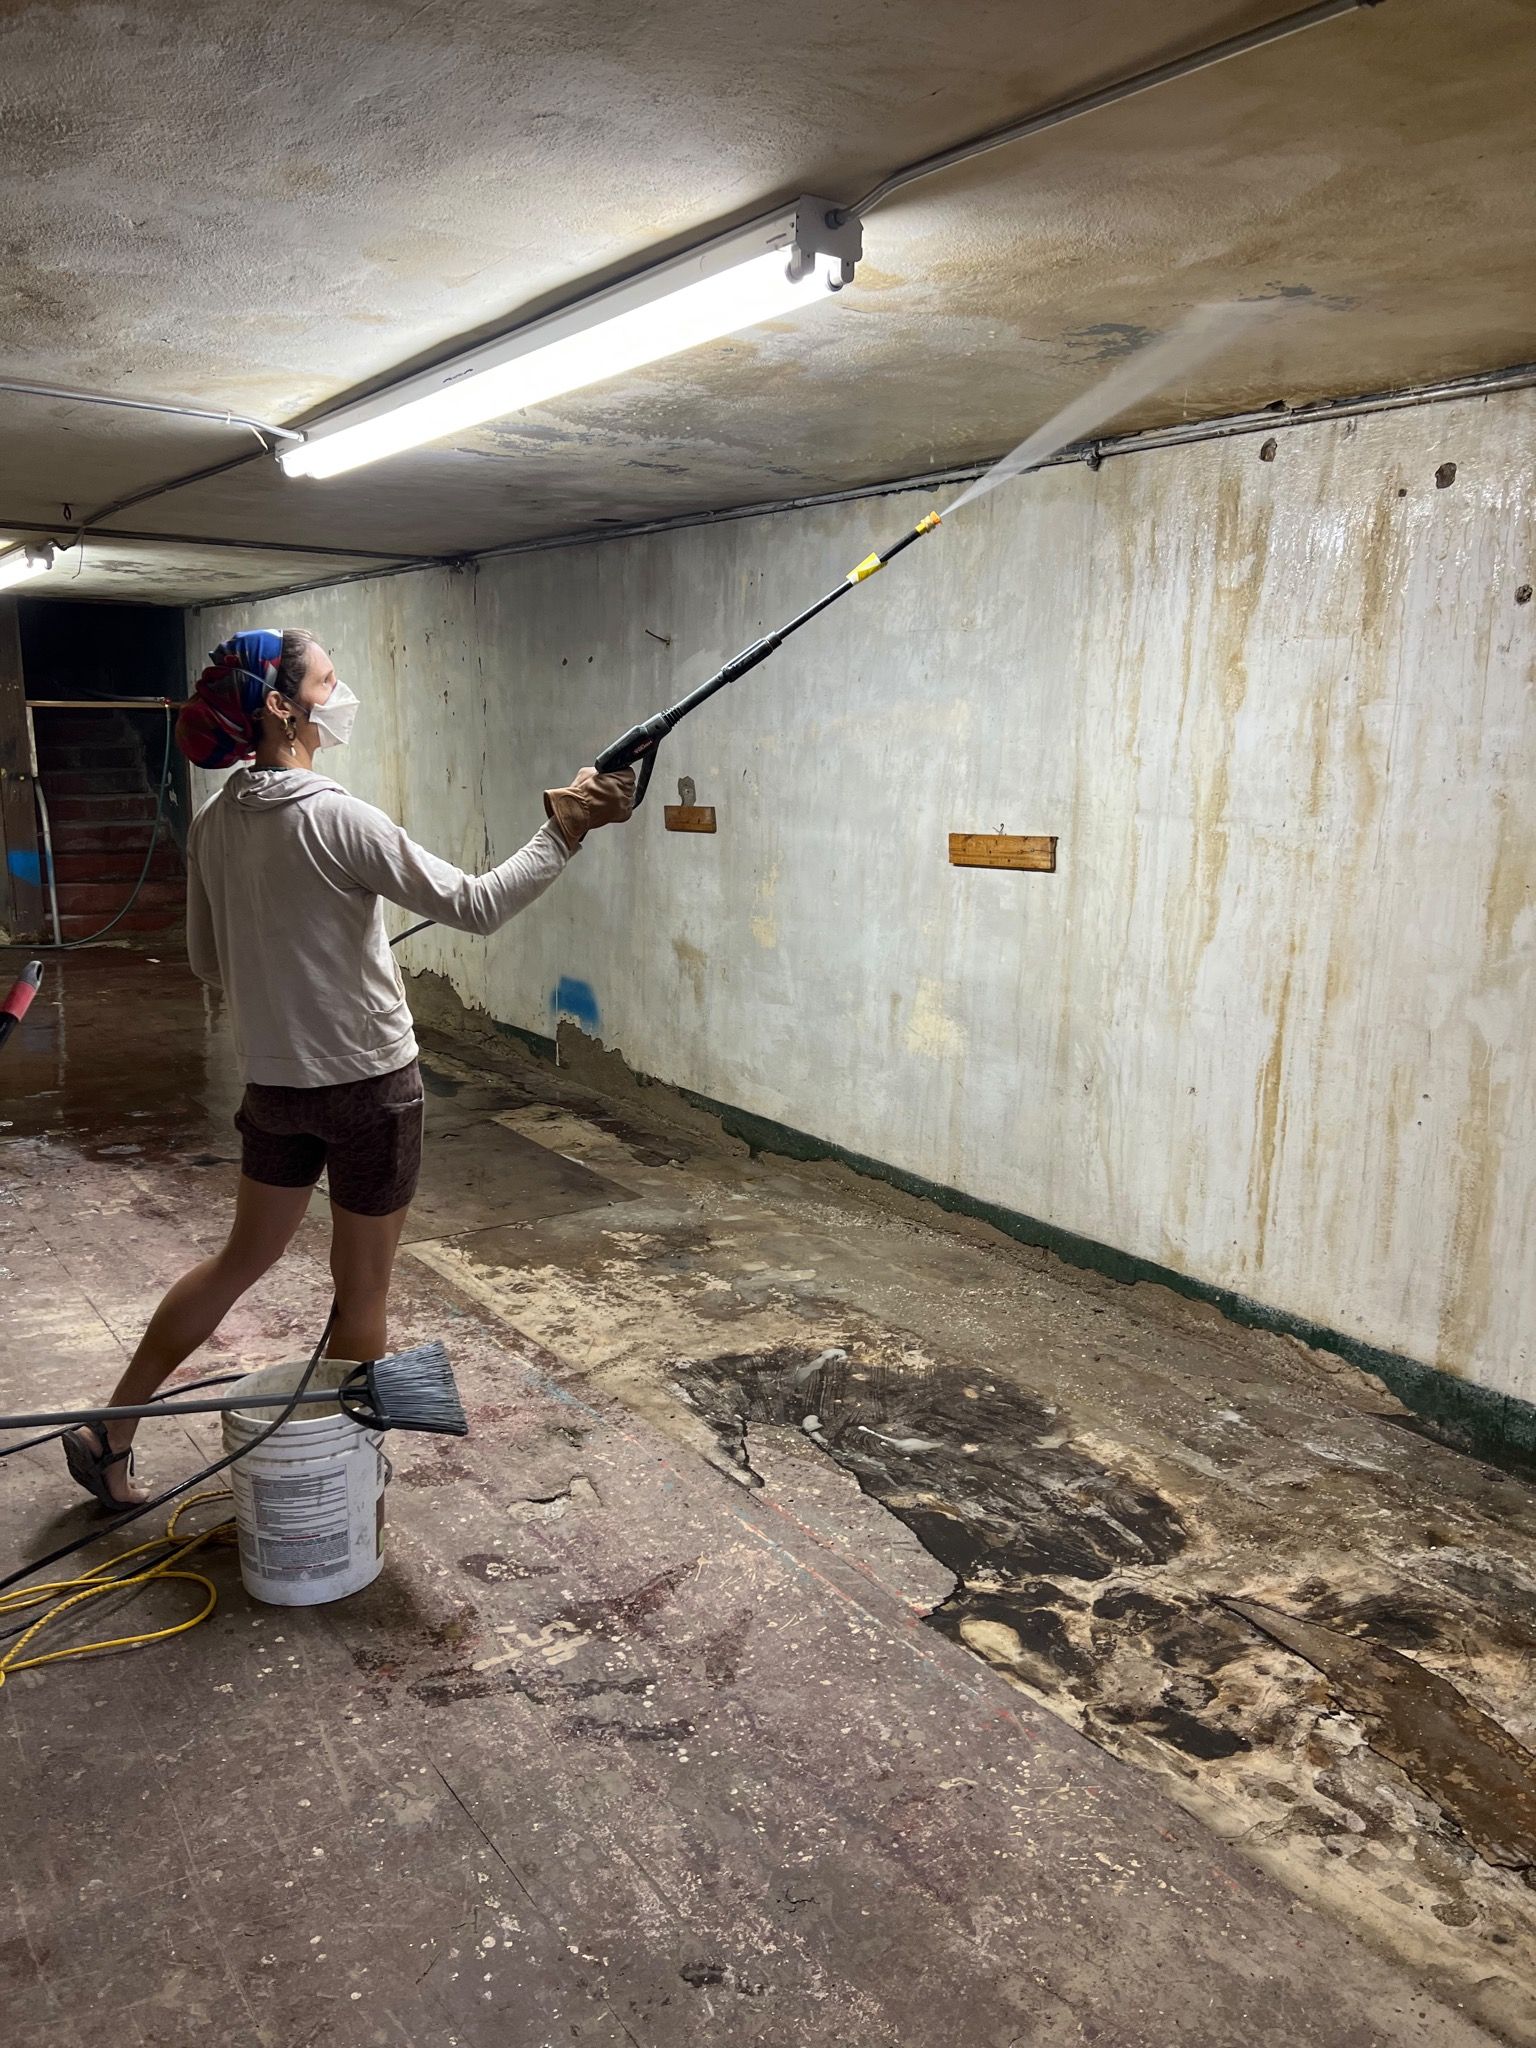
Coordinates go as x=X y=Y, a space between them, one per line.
x=1498 y=1427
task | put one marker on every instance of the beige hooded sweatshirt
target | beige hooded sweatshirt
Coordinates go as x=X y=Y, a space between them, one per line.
x=287 y=876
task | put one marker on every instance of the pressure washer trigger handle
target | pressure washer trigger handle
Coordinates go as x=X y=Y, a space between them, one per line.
x=622 y=754
x=638 y=745
x=639 y=740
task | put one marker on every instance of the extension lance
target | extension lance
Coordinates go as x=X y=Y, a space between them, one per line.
x=1146 y=371
x=641 y=741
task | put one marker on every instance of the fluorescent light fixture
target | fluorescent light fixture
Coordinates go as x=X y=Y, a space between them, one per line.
x=21 y=563
x=787 y=261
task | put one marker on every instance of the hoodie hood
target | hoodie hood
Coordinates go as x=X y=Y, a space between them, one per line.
x=265 y=789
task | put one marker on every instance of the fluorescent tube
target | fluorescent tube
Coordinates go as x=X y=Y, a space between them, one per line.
x=776 y=267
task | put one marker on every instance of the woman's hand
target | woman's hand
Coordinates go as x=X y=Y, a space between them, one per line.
x=590 y=801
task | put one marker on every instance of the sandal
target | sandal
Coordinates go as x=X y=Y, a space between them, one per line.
x=90 y=1462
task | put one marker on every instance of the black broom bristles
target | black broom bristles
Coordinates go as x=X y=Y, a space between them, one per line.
x=409 y=1390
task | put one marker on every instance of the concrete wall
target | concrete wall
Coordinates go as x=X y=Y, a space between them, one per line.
x=1270 y=1024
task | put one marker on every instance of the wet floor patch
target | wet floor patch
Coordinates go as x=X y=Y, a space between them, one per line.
x=481 y=1176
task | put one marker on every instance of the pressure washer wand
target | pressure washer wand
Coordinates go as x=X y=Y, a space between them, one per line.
x=641 y=742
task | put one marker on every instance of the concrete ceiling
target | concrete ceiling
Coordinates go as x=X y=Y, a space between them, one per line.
x=267 y=206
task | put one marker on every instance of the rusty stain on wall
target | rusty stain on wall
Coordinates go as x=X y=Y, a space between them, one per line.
x=1270 y=1124
x=694 y=962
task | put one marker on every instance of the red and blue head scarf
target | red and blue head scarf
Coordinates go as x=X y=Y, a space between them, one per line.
x=221 y=722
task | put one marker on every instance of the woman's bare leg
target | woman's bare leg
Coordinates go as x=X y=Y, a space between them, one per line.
x=265 y=1221
x=362 y=1260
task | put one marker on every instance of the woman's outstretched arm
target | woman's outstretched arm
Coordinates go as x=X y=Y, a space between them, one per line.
x=379 y=855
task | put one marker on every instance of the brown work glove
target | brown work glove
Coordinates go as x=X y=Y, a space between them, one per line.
x=591 y=800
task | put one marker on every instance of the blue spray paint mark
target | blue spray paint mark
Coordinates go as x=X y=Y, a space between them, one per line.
x=26 y=867
x=574 y=999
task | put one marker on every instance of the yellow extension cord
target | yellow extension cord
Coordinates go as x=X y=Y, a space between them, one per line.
x=91 y=1583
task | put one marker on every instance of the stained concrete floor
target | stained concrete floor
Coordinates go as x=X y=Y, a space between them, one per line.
x=840 y=1621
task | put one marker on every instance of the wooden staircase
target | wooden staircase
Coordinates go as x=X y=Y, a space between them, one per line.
x=100 y=793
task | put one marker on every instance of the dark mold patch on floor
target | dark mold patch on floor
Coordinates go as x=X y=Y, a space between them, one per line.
x=1052 y=1547
x=988 y=1480
x=981 y=1472
x=1397 y=1620
x=1177 y=1725
x=1038 y=1630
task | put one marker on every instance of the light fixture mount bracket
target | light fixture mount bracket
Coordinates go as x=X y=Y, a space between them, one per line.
x=812 y=233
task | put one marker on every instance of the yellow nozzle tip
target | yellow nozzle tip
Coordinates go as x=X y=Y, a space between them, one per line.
x=927 y=524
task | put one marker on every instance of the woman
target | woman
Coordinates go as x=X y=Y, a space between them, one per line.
x=286 y=877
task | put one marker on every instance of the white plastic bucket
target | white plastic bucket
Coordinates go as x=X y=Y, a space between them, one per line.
x=309 y=1502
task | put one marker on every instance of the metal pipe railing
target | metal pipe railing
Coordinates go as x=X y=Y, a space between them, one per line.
x=42 y=812
x=166 y=704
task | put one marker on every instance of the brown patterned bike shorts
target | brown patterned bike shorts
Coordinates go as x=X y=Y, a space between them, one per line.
x=365 y=1135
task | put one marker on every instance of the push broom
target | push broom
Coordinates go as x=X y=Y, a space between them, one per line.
x=411 y=1390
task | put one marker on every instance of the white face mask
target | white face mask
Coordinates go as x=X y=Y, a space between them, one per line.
x=333 y=719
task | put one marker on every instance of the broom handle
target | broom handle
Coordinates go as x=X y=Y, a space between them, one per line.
x=91 y=1415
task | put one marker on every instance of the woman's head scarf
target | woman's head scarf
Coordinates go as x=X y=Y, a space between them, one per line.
x=220 y=723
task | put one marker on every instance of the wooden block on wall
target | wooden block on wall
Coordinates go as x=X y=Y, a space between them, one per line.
x=690 y=817
x=1034 y=851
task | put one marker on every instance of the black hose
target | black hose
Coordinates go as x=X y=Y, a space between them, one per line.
x=136 y=1565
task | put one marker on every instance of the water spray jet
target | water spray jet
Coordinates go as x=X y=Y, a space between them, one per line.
x=1150 y=369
